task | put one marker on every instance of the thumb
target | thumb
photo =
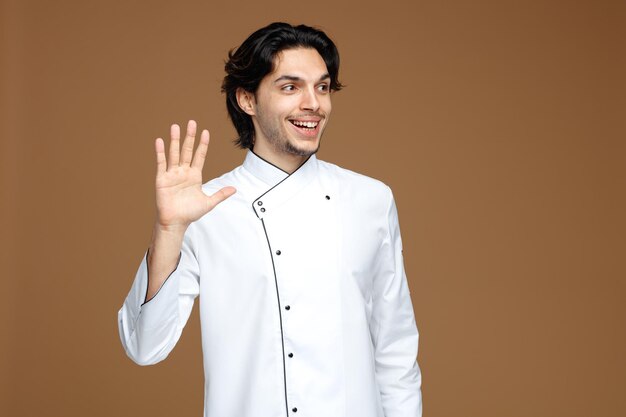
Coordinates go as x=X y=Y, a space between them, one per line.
x=219 y=196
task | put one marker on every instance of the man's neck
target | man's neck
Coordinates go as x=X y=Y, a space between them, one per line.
x=283 y=160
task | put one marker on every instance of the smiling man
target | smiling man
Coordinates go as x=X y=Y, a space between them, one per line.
x=305 y=308
x=290 y=108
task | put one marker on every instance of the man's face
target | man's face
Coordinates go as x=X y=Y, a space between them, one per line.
x=292 y=104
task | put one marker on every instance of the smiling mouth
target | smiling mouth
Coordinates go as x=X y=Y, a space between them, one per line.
x=305 y=125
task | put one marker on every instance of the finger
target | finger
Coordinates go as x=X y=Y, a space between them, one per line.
x=159 y=147
x=200 y=156
x=219 y=196
x=187 y=151
x=174 y=145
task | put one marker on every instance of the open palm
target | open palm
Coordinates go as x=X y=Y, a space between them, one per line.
x=179 y=196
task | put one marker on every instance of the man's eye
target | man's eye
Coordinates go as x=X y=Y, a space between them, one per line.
x=322 y=87
x=288 y=87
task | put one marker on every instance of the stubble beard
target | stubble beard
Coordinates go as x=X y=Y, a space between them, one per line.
x=280 y=142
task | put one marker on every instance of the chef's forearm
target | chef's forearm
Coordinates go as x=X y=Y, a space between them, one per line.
x=163 y=256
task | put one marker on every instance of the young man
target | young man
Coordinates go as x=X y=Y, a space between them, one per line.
x=305 y=308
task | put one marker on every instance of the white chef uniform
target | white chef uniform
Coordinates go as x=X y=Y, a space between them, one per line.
x=304 y=305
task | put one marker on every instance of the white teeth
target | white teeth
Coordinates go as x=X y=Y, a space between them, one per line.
x=304 y=124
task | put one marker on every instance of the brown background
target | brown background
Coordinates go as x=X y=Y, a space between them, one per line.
x=500 y=126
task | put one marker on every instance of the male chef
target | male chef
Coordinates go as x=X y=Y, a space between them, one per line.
x=305 y=308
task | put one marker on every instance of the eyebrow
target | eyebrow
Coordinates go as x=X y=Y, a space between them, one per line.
x=294 y=78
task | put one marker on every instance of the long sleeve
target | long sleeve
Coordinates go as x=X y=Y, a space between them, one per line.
x=393 y=328
x=149 y=330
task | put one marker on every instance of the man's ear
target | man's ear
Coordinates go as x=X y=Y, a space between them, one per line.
x=246 y=101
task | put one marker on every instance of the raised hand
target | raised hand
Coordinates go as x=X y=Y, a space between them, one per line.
x=179 y=199
x=179 y=196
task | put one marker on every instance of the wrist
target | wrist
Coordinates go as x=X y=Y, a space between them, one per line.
x=166 y=238
x=165 y=245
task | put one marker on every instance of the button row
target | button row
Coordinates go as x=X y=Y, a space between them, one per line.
x=290 y=354
x=287 y=307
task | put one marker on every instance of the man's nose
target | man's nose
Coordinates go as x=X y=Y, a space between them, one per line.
x=310 y=101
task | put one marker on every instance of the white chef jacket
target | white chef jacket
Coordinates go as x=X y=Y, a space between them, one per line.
x=304 y=304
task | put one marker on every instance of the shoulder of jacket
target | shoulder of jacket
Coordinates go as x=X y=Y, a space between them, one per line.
x=349 y=178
